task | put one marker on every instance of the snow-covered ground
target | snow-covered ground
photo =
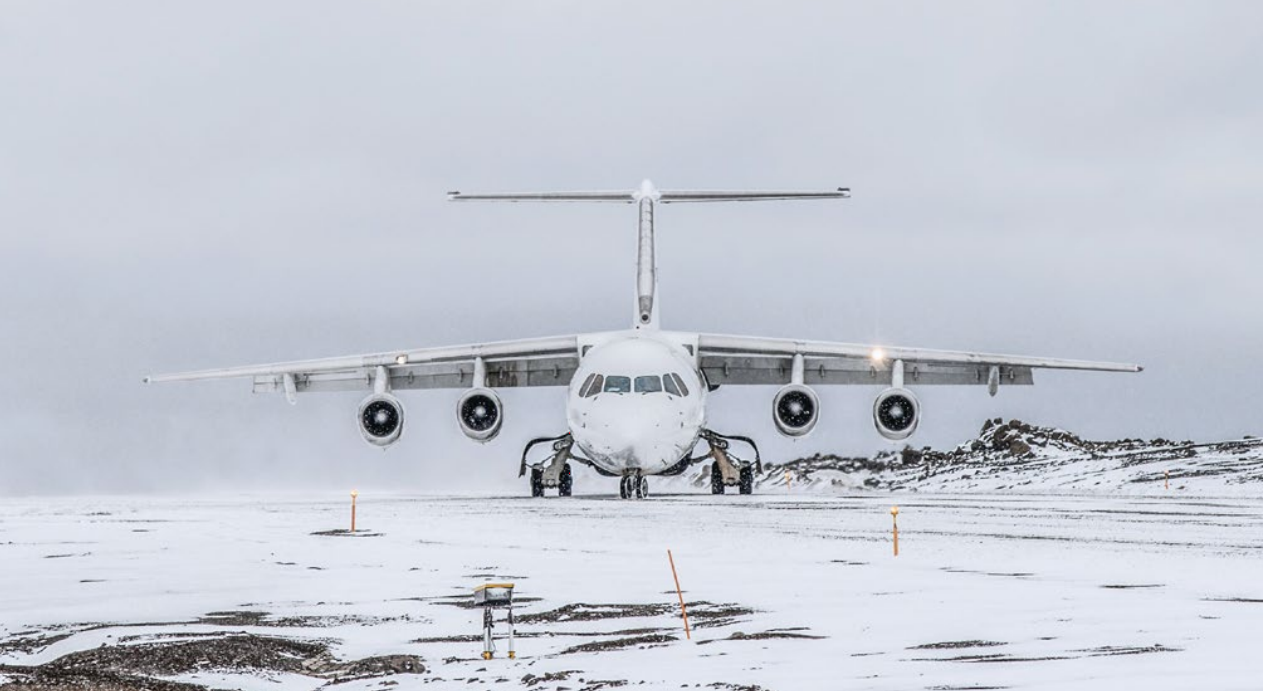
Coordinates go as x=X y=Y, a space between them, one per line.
x=1016 y=457
x=787 y=590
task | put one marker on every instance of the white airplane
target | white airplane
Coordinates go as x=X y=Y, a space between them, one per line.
x=637 y=399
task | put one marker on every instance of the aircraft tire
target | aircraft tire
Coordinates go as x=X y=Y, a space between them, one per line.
x=565 y=484
x=716 y=479
x=747 y=480
x=537 y=483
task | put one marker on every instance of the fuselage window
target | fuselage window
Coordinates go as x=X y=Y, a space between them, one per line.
x=587 y=385
x=648 y=384
x=617 y=384
x=684 y=390
x=668 y=383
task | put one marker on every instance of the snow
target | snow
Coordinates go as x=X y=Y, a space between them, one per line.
x=1064 y=591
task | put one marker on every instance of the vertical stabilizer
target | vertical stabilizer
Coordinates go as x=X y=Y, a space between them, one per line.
x=646 y=316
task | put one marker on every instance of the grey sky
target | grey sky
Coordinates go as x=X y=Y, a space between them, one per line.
x=190 y=186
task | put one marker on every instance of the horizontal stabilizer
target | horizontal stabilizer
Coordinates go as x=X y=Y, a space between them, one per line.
x=649 y=192
x=597 y=196
x=669 y=197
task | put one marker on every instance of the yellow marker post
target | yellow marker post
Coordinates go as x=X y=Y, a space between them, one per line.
x=894 y=515
x=1166 y=482
x=788 y=478
x=354 y=494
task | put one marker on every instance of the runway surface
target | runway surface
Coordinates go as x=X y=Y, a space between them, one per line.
x=785 y=591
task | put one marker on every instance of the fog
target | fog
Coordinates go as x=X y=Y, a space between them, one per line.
x=186 y=186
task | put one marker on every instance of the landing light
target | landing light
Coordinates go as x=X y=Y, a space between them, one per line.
x=401 y=360
x=877 y=355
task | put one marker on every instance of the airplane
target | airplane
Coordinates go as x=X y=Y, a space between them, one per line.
x=637 y=397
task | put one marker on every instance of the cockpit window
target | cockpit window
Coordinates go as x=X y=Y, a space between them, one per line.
x=684 y=390
x=592 y=386
x=617 y=384
x=668 y=383
x=648 y=384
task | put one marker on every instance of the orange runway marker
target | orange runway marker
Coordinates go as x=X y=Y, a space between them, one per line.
x=683 y=610
x=354 y=494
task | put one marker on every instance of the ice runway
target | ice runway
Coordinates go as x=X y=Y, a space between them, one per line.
x=785 y=591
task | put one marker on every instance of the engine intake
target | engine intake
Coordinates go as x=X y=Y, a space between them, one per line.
x=795 y=410
x=480 y=414
x=896 y=413
x=381 y=419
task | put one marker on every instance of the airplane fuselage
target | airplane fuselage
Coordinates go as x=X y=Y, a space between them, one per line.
x=637 y=402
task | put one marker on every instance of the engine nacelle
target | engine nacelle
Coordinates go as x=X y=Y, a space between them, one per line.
x=480 y=414
x=795 y=409
x=896 y=413
x=381 y=419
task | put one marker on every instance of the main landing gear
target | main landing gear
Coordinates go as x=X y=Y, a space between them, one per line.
x=727 y=470
x=633 y=485
x=557 y=472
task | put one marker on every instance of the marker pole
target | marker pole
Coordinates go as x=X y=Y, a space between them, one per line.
x=354 y=494
x=894 y=516
x=683 y=610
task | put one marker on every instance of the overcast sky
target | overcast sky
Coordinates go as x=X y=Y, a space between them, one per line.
x=186 y=186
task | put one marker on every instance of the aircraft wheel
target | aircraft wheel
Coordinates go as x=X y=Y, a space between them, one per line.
x=537 y=483
x=642 y=488
x=747 y=480
x=622 y=487
x=716 y=479
x=565 y=485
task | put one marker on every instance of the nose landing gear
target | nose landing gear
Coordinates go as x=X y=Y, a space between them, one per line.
x=633 y=485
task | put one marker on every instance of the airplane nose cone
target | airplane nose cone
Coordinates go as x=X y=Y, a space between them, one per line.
x=634 y=434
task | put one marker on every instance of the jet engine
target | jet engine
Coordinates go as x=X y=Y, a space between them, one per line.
x=480 y=414
x=795 y=410
x=896 y=413
x=381 y=419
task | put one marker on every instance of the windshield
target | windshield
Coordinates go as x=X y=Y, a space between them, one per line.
x=648 y=384
x=617 y=384
x=592 y=386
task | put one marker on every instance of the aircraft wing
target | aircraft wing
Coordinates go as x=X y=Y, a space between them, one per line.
x=753 y=360
x=531 y=362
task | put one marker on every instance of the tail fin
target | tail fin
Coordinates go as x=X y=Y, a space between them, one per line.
x=646 y=196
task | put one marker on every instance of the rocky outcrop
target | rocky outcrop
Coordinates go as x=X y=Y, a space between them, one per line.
x=1013 y=454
